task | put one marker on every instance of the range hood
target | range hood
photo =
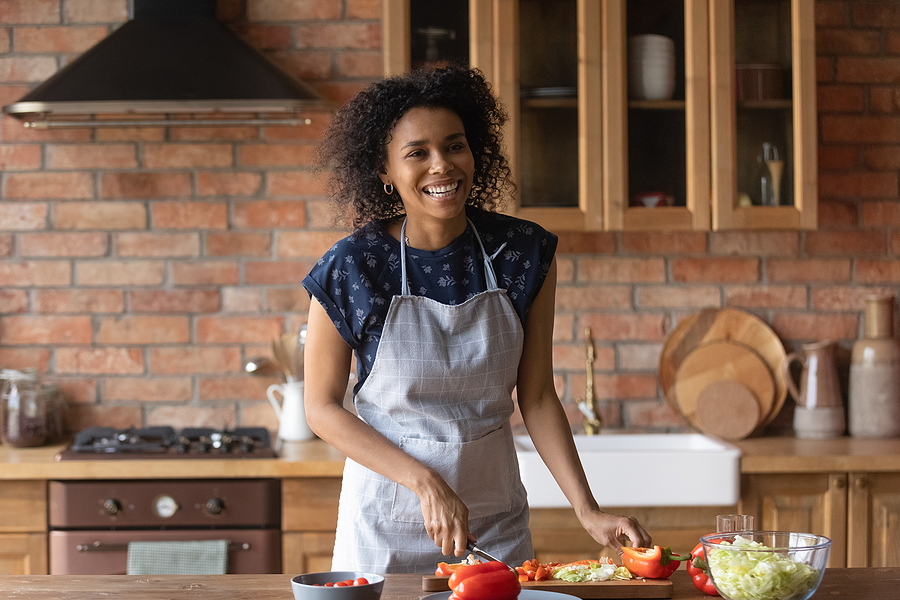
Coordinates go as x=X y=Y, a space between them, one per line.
x=173 y=62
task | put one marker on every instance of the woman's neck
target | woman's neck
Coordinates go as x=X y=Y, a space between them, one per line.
x=430 y=236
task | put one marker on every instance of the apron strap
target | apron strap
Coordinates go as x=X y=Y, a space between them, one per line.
x=489 y=273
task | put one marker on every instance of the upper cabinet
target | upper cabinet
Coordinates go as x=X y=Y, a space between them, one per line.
x=639 y=114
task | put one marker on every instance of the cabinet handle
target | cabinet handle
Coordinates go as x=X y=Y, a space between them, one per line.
x=840 y=484
x=862 y=483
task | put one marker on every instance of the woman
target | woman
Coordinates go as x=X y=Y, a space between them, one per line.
x=448 y=307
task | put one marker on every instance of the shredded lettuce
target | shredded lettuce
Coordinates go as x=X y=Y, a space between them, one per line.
x=601 y=571
x=746 y=574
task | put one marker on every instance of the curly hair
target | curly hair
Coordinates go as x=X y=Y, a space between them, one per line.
x=354 y=148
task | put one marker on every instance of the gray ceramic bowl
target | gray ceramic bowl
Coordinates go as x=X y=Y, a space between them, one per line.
x=305 y=589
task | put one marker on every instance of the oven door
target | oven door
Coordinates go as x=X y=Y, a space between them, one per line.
x=106 y=552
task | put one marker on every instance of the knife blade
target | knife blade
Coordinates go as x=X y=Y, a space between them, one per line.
x=478 y=551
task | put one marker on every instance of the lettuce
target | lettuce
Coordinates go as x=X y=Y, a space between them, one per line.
x=755 y=572
x=593 y=572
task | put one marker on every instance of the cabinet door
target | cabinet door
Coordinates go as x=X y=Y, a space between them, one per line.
x=873 y=538
x=763 y=114
x=310 y=503
x=807 y=502
x=23 y=506
x=306 y=552
x=23 y=554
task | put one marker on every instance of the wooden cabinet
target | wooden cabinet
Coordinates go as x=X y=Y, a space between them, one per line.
x=23 y=528
x=308 y=523
x=860 y=512
x=588 y=152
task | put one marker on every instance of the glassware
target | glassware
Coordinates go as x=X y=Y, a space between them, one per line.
x=55 y=405
x=23 y=414
x=733 y=523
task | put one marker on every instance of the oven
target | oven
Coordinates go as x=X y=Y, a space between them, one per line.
x=92 y=522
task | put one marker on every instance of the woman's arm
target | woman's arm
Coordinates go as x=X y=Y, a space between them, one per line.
x=549 y=428
x=327 y=365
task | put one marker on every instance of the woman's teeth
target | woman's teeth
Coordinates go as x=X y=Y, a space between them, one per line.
x=440 y=191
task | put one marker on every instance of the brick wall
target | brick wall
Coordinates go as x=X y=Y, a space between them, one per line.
x=140 y=268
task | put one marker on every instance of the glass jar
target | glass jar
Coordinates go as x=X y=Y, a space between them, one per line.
x=23 y=414
x=55 y=405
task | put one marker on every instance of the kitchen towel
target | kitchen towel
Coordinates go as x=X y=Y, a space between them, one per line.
x=204 y=557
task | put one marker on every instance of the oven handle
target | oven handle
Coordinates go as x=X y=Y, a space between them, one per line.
x=101 y=547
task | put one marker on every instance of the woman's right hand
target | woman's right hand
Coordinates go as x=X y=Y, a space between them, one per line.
x=446 y=517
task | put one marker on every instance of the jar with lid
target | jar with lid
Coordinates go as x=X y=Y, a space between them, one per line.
x=55 y=405
x=23 y=416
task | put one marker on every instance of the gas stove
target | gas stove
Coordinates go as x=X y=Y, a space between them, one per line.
x=165 y=442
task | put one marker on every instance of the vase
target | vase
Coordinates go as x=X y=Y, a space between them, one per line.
x=874 y=403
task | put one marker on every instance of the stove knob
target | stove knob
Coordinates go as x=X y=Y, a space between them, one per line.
x=214 y=506
x=112 y=506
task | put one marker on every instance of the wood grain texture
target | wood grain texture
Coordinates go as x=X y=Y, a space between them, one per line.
x=632 y=588
x=728 y=409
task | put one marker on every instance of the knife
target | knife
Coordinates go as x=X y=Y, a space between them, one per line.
x=476 y=550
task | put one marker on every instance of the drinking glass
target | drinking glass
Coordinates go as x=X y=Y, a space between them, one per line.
x=733 y=523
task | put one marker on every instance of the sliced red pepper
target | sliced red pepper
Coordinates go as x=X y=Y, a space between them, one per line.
x=446 y=569
x=491 y=585
x=651 y=563
x=697 y=569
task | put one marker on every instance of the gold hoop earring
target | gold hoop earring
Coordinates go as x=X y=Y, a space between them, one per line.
x=389 y=188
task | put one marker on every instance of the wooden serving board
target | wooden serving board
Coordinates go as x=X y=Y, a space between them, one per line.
x=631 y=588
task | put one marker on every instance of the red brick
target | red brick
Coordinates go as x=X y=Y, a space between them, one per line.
x=360 y=36
x=726 y=270
x=895 y=242
x=881 y=214
x=190 y=215
x=116 y=273
x=256 y=273
x=622 y=270
x=624 y=386
x=796 y=271
x=229 y=11
x=593 y=297
x=876 y=129
x=839 y=158
x=193 y=416
x=877 y=185
x=766 y=296
x=840 y=98
x=877 y=271
x=644 y=416
x=238 y=244
x=269 y=214
x=128 y=329
x=264 y=37
x=311 y=244
x=884 y=99
x=100 y=215
x=306 y=65
x=625 y=326
x=241 y=330
x=577 y=242
x=209 y=133
x=806 y=326
x=565 y=270
x=24 y=358
x=571 y=357
x=312 y=131
x=79 y=301
x=849 y=41
x=235 y=388
x=663 y=296
x=664 y=242
x=130 y=134
x=96 y=11
x=29 y=11
x=243 y=299
x=185 y=156
x=77 y=391
x=63 y=244
x=23 y=69
x=145 y=185
x=287 y=300
x=360 y=64
x=277 y=155
x=92 y=156
x=228 y=184
x=81 y=416
x=35 y=273
x=13 y=301
x=68 y=39
x=49 y=185
x=176 y=301
x=875 y=14
x=258 y=414
x=19 y=157
x=837 y=214
x=177 y=389
x=754 y=243
x=12 y=130
x=851 y=69
x=192 y=360
x=205 y=273
x=6 y=244
x=296 y=184
x=844 y=298
x=831 y=13
x=157 y=244
x=849 y=243
x=639 y=357
x=883 y=158
x=563 y=328
x=45 y=330
x=4 y=42
x=893 y=42
x=292 y=10
x=22 y=216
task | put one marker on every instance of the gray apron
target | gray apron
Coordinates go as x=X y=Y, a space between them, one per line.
x=440 y=389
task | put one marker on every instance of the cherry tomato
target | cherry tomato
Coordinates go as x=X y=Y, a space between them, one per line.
x=361 y=581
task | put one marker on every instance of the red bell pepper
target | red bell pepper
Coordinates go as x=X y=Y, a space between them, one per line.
x=697 y=569
x=446 y=569
x=485 y=581
x=651 y=563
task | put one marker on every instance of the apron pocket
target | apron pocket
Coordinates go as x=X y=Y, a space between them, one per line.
x=478 y=471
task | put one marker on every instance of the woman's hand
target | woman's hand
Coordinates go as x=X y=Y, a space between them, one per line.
x=612 y=530
x=446 y=517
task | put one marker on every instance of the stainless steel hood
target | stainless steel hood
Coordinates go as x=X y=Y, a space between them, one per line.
x=172 y=62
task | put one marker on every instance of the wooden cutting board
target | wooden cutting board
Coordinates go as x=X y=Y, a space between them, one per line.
x=632 y=588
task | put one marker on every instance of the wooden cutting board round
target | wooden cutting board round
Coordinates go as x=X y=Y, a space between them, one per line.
x=728 y=409
x=723 y=361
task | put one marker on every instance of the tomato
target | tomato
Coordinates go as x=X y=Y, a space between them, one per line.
x=361 y=581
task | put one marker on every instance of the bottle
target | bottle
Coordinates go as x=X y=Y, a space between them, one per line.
x=23 y=415
x=875 y=374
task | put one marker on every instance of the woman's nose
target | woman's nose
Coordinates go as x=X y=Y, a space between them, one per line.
x=440 y=163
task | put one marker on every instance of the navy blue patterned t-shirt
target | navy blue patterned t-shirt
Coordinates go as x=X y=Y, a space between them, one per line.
x=356 y=279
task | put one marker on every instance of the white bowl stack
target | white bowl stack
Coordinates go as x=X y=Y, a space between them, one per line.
x=651 y=67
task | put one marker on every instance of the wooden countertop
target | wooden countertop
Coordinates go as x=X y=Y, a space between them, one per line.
x=315 y=458
x=847 y=584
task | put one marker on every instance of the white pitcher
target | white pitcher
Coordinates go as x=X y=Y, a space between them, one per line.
x=291 y=413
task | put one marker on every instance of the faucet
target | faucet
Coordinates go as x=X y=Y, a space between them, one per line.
x=592 y=420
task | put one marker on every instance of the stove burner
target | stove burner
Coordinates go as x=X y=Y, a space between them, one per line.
x=164 y=442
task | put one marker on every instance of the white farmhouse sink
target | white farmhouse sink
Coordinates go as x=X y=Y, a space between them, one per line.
x=670 y=469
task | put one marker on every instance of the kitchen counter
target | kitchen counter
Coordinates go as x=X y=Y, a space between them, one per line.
x=847 y=584
x=790 y=455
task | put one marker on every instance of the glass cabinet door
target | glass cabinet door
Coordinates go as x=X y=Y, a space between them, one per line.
x=763 y=114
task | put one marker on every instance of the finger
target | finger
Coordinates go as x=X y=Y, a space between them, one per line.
x=461 y=540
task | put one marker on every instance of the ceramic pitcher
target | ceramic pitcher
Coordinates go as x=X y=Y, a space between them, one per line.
x=820 y=409
x=292 y=425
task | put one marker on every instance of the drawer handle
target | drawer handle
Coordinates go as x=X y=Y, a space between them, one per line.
x=101 y=547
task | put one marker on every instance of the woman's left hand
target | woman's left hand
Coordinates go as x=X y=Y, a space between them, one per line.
x=611 y=530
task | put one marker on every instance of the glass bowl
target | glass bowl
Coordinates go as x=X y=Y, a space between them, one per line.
x=311 y=586
x=766 y=565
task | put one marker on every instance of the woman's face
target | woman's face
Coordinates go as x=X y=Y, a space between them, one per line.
x=430 y=164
